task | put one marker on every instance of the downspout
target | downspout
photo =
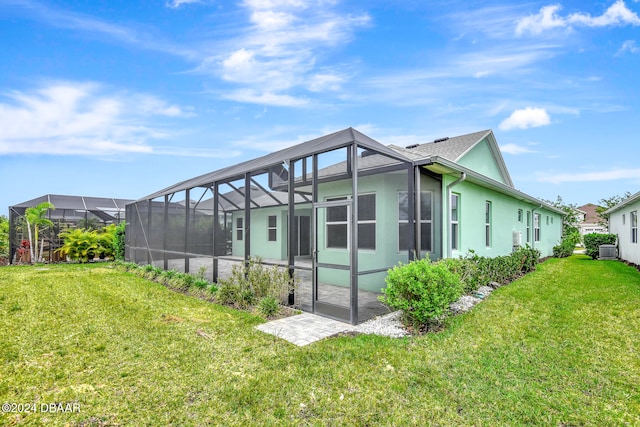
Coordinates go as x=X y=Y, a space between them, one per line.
x=449 y=187
x=533 y=221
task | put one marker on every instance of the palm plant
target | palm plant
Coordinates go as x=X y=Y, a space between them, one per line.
x=79 y=245
x=36 y=217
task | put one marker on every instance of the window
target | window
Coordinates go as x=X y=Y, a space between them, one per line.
x=547 y=219
x=487 y=223
x=426 y=227
x=519 y=215
x=536 y=227
x=367 y=221
x=528 y=226
x=623 y=219
x=337 y=223
x=633 y=220
x=455 y=224
x=272 y=228
x=239 y=228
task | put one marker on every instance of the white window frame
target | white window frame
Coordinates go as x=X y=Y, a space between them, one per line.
x=423 y=222
x=239 y=228
x=360 y=222
x=455 y=223
x=520 y=215
x=487 y=223
x=271 y=228
x=536 y=227
x=328 y=223
x=528 y=226
x=633 y=222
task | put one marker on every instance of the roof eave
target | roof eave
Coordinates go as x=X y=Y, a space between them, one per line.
x=624 y=203
x=479 y=179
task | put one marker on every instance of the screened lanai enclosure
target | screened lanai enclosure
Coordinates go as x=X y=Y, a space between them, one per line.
x=70 y=212
x=334 y=212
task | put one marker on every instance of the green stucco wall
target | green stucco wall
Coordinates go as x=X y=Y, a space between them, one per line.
x=480 y=159
x=504 y=221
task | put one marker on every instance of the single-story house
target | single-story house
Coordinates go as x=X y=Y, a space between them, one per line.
x=623 y=222
x=297 y=208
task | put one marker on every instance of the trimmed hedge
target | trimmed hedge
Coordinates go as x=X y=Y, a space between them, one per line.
x=424 y=290
x=476 y=271
x=593 y=241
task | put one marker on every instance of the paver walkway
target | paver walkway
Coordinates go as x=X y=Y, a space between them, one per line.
x=303 y=329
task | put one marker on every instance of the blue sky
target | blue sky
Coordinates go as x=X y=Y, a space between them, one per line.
x=120 y=98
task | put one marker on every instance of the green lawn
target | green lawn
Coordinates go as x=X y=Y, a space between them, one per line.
x=559 y=347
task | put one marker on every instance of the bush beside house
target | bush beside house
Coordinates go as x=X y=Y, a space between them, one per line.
x=593 y=241
x=424 y=291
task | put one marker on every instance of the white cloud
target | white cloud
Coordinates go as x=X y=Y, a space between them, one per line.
x=515 y=149
x=279 y=51
x=548 y=18
x=628 y=46
x=270 y=20
x=174 y=4
x=79 y=118
x=264 y=98
x=526 y=118
x=325 y=82
x=610 y=175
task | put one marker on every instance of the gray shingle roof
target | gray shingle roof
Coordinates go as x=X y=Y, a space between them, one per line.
x=451 y=148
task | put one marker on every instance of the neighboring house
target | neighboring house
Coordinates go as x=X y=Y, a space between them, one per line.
x=589 y=220
x=623 y=222
x=439 y=199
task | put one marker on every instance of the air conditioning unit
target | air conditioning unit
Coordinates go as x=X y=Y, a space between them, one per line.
x=607 y=252
x=517 y=238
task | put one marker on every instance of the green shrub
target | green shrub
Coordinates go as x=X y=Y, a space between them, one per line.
x=467 y=270
x=167 y=275
x=119 y=241
x=246 y=299
x=567 y=245
x=268 y=306
x=254 y=282
x=564 y=249
x=4 y=236
x=422 y=290
x=228 y=292
x=150 y=272
x=200 y=283
x=475 y=271
x=79 y=245
x=528 y=258
x=593 y=241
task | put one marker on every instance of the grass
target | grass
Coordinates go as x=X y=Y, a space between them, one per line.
x=558 y=347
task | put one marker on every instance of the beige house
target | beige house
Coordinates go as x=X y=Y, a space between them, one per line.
x=589 y=221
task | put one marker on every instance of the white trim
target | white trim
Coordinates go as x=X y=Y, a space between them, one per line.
x=429 y=194
x=455 y=243
x=270 y=228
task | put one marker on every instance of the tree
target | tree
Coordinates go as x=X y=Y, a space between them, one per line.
x=4 y=236
x=606 y=204
x=570 y=220
x=36 y=218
